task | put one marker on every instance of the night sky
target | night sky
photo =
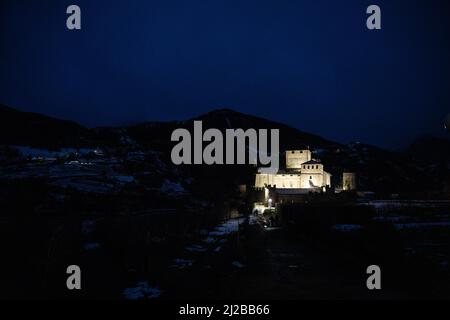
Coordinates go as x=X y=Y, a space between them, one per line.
x=310 y=64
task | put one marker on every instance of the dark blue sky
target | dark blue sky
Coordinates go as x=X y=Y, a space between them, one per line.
x=310 y=64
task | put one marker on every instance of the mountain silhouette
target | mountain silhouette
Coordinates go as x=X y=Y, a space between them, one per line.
x=377 y=169
x=34 y=129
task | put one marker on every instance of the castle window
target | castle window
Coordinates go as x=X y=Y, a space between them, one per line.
x=317 y=167
x=292 y=151
x=310 y=177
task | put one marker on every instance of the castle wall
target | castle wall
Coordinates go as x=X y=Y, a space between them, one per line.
x=327 y=178
x=301 y=176
x=349 y=181
x=313 y=168
x=279 y=180
x=261 y=180
x=309 y=180
x=287 y=181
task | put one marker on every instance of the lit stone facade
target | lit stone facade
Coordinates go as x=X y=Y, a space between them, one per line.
x=302 y=172
x=348 y=181
x=295 y=158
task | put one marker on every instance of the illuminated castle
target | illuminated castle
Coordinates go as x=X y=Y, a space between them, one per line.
x=302 y=172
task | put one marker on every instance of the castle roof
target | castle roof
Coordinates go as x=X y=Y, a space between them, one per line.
x=312 y=162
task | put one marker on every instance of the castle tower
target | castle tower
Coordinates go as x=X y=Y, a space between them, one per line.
x=348 y=181
x=295 y=158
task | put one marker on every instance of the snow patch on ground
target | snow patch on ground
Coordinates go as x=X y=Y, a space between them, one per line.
x=181 y=263
x=237 y=264
x=172 y=188
x=227 y=227
x=196 y=248
x=347 y=227
x=124 y=179
x=253 y=219
x=210 y=240
x=421 y=225
x=44 y=153
x=142 y=291
x=389 y=204
x=88 y=226
x=390 y=218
